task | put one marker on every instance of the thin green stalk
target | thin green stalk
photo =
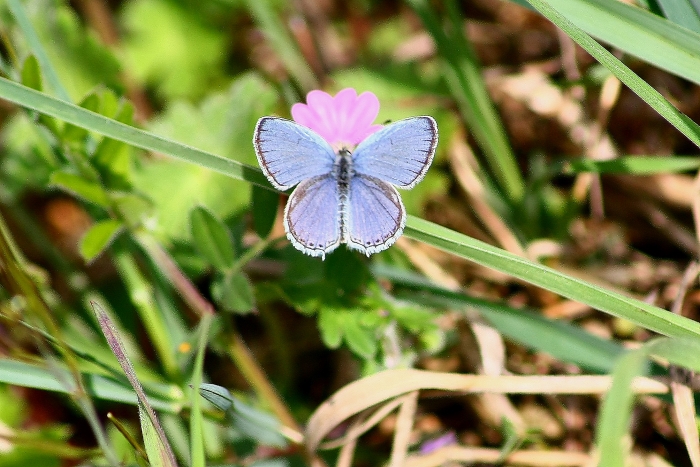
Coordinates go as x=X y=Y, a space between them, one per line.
x=196 y=418
x=141 y=294
x=251 y=253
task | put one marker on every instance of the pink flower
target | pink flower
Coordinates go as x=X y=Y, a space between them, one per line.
x=343 y=120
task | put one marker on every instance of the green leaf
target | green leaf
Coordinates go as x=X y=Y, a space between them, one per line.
x=234 y=292
x=31 y=74
x=99 y=237
x=222 y=124
x=265 y=204
x=31 y=77
x=361 y=340
x=331 y=325
x=112 y=158
x=219 y=396
x=212 y=238
x=79 y=186
x=134 y=209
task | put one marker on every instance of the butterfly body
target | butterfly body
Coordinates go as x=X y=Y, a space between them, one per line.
x=344 y=197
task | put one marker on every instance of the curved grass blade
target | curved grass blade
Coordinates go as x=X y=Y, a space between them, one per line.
x=635 y=31
x=31 y=99
x=643 y=314
x=650 y=95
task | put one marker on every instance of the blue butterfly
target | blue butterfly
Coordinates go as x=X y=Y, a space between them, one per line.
x=344 y=197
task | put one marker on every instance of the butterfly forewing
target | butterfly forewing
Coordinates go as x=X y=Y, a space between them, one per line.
x=374 y=215
x=399 y=153
x=289 y=153
x=312 y=216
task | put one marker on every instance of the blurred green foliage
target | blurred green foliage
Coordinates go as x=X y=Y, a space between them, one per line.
x=166 y=245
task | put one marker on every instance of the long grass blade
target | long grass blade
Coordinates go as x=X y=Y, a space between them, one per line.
x=650 y=95
x=637 y=32
x=643 y=314
x=463 y=76
x=681 y=12
x=161 y=453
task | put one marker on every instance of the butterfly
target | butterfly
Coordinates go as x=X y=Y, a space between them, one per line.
x=343 y=196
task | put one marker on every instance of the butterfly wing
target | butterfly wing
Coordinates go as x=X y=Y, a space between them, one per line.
x=289 y=153
x=399 y=153
x=374 y=215
x=312 y=216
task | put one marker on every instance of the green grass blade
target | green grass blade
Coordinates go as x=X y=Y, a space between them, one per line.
x=463 y=76
x=276 y=32
x=157 y=446
x=98 y=386
x=634 y=165
x=638 y=32
x=83 y=118
x=643 y=314
x=681 y=12
x=196 y=417
x=616 y=410
x=651 y=96
x=37 y=49
x=140 y=291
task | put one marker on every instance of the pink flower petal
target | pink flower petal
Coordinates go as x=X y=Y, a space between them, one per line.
x=344 y=119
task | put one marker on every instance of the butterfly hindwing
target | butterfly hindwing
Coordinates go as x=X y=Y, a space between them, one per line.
x=289 y=153
x=312 y=217
x=399 y=153
x=374 y=215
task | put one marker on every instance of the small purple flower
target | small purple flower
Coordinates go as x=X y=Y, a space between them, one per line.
x=343 y=120
x=437 y=443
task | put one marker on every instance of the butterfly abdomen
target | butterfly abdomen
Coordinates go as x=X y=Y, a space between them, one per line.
x=343 y=172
